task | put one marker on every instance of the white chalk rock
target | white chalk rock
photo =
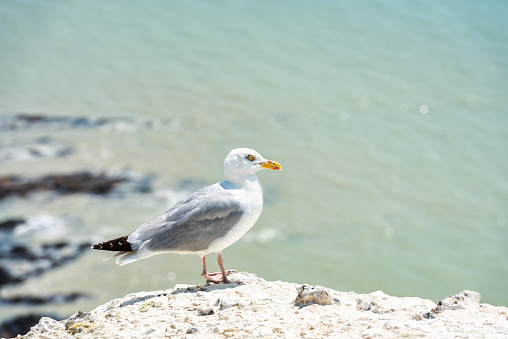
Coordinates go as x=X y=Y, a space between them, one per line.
x=258 y=308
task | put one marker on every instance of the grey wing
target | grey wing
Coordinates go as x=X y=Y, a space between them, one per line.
x=191 y=225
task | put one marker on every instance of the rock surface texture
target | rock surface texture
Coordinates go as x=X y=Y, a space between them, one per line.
x=252 y=307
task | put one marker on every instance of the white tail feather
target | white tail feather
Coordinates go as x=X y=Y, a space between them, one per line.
x=113 y=256
x=128 y=258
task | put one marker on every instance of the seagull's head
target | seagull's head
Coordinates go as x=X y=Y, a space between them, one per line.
x=246 y=161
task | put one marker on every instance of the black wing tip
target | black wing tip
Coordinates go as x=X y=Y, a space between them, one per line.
x=118 y=244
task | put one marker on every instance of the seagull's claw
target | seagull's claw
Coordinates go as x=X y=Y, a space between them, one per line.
x=217 y=278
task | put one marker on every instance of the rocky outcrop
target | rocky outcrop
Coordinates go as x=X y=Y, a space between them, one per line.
x=253 y=307
x=82 y=182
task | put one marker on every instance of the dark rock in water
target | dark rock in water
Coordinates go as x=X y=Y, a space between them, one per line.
x=9 y=225
x=48 y=259
x=25 y=121
x=18 y=252
x=42 y=300
x=31 y=118
x=6 y=278
x=61 y=253
x=20 y=324
x=22 y=259
x=81 y=182
x=36 y=261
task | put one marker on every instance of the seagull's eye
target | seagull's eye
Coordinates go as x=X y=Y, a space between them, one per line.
x=251 y=157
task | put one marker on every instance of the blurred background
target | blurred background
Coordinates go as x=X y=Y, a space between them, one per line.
x=389 y=119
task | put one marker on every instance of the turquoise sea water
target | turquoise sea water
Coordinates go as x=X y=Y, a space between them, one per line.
x=390 y=120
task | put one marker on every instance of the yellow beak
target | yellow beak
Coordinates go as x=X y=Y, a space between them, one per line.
x=271 y=165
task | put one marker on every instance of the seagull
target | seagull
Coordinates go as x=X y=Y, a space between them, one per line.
x=208 y=221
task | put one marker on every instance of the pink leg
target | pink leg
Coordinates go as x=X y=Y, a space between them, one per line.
x=220 y=261
x=213 y=277
x=204 y=274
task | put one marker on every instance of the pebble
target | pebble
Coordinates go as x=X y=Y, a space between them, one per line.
x=312 y=295
x=207 y=311
x=363 y=304
x=148 y=331
x=192 y=330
